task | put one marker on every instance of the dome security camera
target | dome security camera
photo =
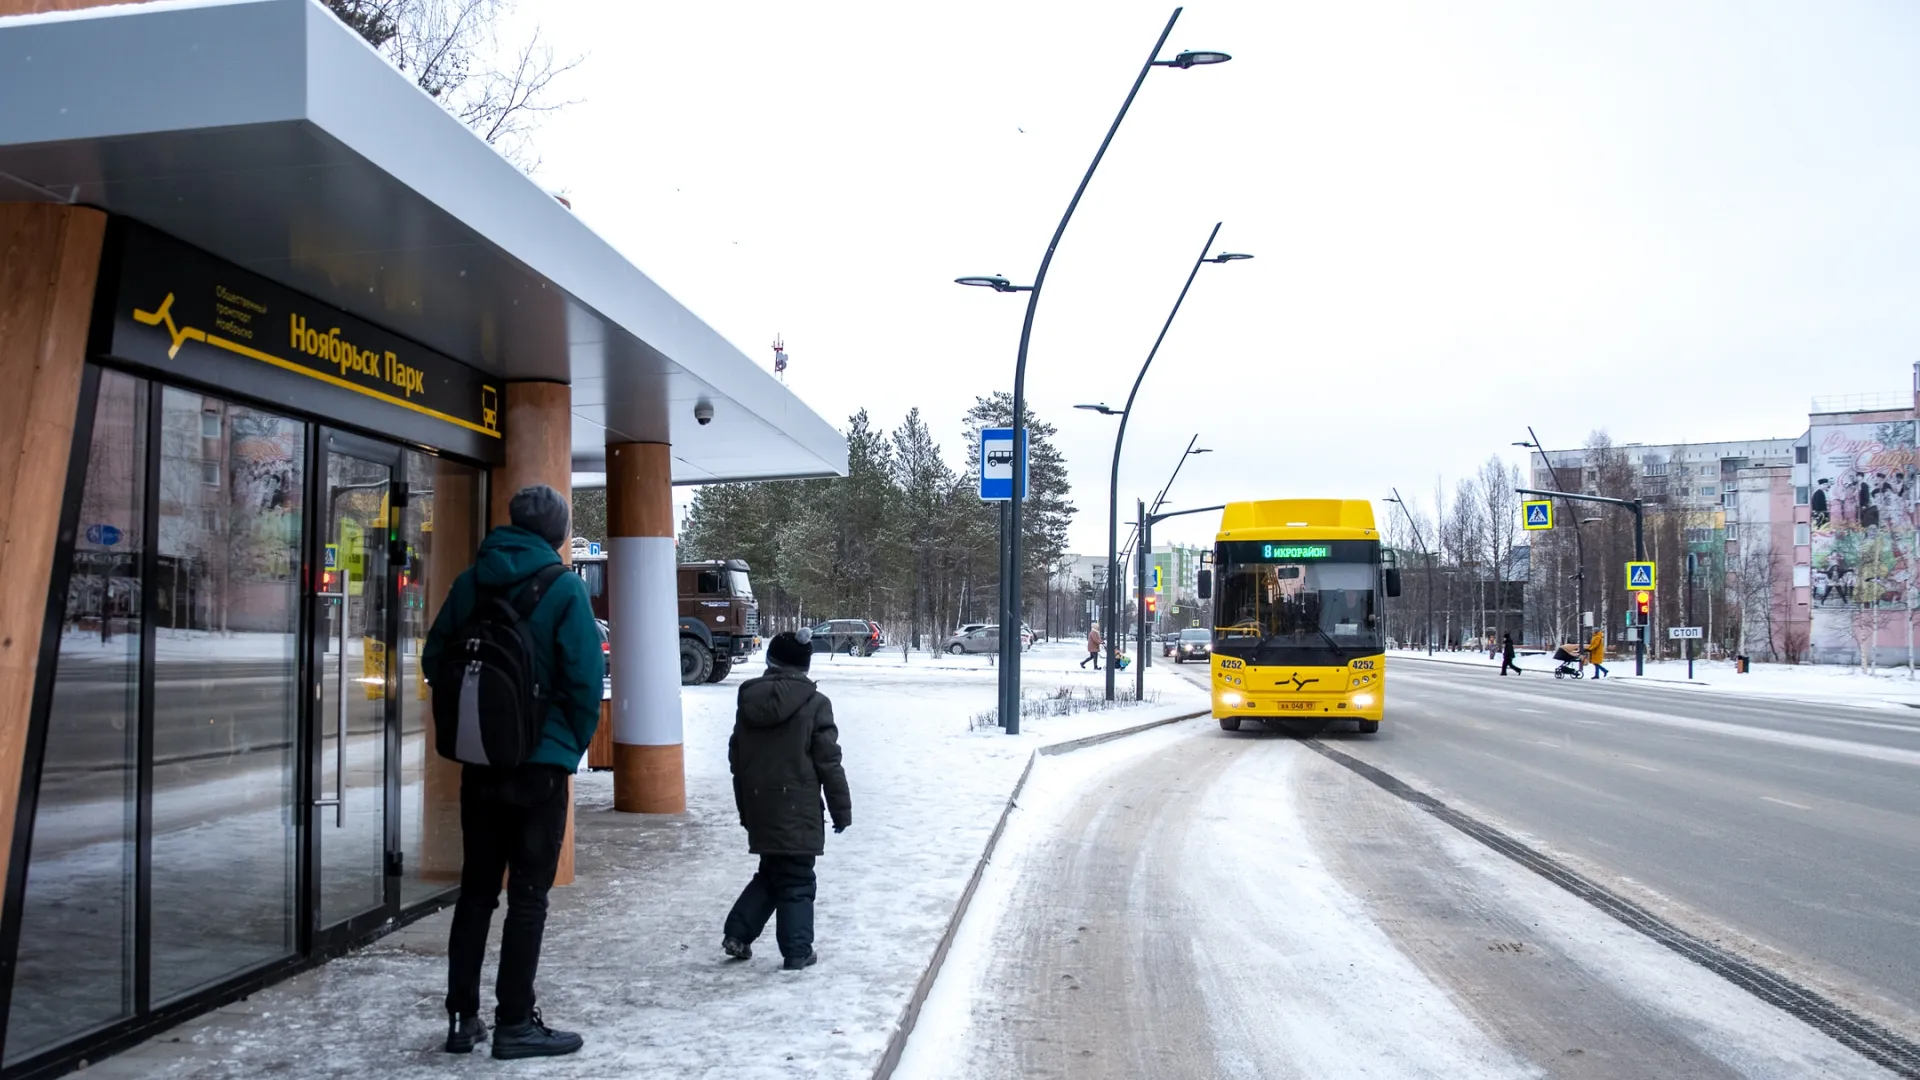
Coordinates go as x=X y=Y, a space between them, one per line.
x=703 y=412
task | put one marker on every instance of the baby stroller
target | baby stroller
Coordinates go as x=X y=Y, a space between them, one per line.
x=1120 y=662
x=1569 y=664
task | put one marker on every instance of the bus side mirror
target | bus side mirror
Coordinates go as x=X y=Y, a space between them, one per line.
x=1393 y=581
x=1204 y=584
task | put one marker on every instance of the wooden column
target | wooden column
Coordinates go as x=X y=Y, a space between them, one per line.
x=538 y=418
x=49 y=263
x=643 y=594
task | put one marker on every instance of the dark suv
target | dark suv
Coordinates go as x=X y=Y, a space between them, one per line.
x=856 y=637
x=1195 y=643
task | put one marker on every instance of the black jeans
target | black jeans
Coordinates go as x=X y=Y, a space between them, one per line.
x=784 y=885
x=1507 y=662
x=1094 y=656
x=511 y=822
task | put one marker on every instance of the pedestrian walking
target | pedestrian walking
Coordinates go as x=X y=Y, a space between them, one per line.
x=519 y=743
x=1506 y=655
x=1597 y=652
x=785 y=756
x=1093 y=648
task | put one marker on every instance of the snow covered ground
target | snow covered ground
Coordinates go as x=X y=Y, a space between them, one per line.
x=1798 y=682
x=632 y=956
x=1276 y=915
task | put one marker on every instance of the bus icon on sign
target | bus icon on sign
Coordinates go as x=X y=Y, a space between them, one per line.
x=1000 y=459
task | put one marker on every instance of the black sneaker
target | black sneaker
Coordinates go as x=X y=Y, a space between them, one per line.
x=533 y=1039
x=796 y=963
x=736 y=948
x=464 y=1033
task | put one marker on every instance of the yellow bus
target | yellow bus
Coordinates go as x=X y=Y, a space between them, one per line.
x=1298 y=589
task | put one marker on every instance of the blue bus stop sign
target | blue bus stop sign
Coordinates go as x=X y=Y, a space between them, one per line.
x=996 y=465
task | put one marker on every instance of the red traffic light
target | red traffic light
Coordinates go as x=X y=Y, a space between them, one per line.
x=1153 y=604
x=1643 y=601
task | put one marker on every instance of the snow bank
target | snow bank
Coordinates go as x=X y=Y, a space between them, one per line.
x=1817 y=683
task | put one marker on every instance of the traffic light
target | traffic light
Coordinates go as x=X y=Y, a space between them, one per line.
x=1643 y=605
x=1153 y=604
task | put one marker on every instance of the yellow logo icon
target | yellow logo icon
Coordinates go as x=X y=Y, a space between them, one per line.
x=164 y=314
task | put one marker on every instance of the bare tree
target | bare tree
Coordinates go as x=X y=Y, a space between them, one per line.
x=1759 y=581
x=450 y=48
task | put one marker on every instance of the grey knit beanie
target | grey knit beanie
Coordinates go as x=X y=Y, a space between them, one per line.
x=541 y=511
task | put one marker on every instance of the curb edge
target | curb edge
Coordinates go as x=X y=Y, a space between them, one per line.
x=910 y=1015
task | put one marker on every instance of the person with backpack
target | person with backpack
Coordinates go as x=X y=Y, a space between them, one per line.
x=785 y=757
x=516 y=668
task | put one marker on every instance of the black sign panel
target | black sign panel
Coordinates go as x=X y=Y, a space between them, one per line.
x=176 y=308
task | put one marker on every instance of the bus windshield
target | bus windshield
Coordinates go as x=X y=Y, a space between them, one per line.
x=1308 y=603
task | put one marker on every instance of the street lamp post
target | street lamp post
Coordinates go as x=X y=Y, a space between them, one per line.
x=1639 y=548
x=1110 y=611
x=1397 y=501
x=1010 y=558
x=1579 y=548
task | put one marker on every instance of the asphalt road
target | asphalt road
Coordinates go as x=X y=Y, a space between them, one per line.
x=1790 y=831
x=1235 y=904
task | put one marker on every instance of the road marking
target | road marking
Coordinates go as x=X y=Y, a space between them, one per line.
x=1595 y=723
x=1783 y=802
x=1637 y=765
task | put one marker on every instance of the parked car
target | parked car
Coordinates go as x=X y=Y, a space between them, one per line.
x=855 y=637
x=980 y=639
x=1194 y=643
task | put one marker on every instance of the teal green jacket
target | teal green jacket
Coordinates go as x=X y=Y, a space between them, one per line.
x=574 y=669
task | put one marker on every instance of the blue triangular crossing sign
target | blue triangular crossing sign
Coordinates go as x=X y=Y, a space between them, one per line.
x=1537 y=515
x=1639 y=575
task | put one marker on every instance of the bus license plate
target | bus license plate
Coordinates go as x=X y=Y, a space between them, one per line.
x=1293 y=706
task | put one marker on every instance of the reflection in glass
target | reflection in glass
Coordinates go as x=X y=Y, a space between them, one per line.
x=353 y=628
x=75 y=969
x=441 y=528
x=225 y=691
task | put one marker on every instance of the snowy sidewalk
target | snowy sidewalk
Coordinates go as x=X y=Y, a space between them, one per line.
x=1815 y=683
x=632 y=957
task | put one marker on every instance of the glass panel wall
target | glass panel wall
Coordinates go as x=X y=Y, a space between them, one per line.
x=442 y=528
x=225 y=691
x=76 y=956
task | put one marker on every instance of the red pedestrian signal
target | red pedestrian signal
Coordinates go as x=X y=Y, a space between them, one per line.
x=1643 y=604
x=1153 y=604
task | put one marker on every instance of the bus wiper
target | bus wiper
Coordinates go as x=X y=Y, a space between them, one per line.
x=1332 y=644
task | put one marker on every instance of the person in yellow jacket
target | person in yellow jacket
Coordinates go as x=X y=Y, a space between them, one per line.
x=1597 y=652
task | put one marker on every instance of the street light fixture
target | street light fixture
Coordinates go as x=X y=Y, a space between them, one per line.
x=1010 y=552
x=1103 y=409
x=1193 y=58
x=992 y=281
x=1111 y=612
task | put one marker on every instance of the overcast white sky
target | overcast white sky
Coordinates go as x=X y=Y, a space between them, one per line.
x=1672 y=221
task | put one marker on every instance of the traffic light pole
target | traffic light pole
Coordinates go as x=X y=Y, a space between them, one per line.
x=1639 y=548
x=1147 y=522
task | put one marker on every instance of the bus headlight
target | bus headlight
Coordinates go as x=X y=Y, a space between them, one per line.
x=1362 y=701
x=1229 y=698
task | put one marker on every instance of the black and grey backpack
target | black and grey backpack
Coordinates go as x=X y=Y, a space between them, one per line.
x=488 y=704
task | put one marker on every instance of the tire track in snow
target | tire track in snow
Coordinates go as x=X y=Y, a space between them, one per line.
x=1865 y=1037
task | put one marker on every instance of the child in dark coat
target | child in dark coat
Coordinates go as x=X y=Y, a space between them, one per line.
x=785 y=754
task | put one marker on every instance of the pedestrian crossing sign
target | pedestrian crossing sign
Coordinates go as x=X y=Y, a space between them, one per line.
x=1537 y=514
x=1640 y=575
